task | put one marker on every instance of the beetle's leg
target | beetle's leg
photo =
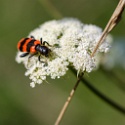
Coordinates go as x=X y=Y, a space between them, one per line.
x=39 y=58
x=46 y=43
x=32 y=37
x=24 y=54
x=41 y=40
x=45 y=63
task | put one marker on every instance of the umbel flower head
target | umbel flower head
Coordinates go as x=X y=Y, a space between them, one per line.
x=72 y=43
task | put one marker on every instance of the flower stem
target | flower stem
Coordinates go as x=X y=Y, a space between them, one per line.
x=100 y=95
x=114 y=20
x=103 y=97
x=112 y=75
x=63 y=110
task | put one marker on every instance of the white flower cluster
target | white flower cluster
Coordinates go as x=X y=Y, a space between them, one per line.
x=72 y=43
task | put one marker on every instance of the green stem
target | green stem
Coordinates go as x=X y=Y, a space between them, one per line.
x=111 y=75
x=100 y=95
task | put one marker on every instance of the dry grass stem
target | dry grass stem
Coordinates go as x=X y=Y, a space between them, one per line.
x=115 y=18
x=61 y=114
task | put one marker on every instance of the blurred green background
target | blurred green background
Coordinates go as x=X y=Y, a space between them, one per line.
x=21 y=104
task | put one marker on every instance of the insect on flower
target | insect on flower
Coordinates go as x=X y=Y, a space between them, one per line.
x=32 y=46
x=72 y=43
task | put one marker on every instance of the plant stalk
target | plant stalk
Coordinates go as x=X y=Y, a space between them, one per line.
x=63 y=110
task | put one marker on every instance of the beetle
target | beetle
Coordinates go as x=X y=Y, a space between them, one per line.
x=33 y=47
